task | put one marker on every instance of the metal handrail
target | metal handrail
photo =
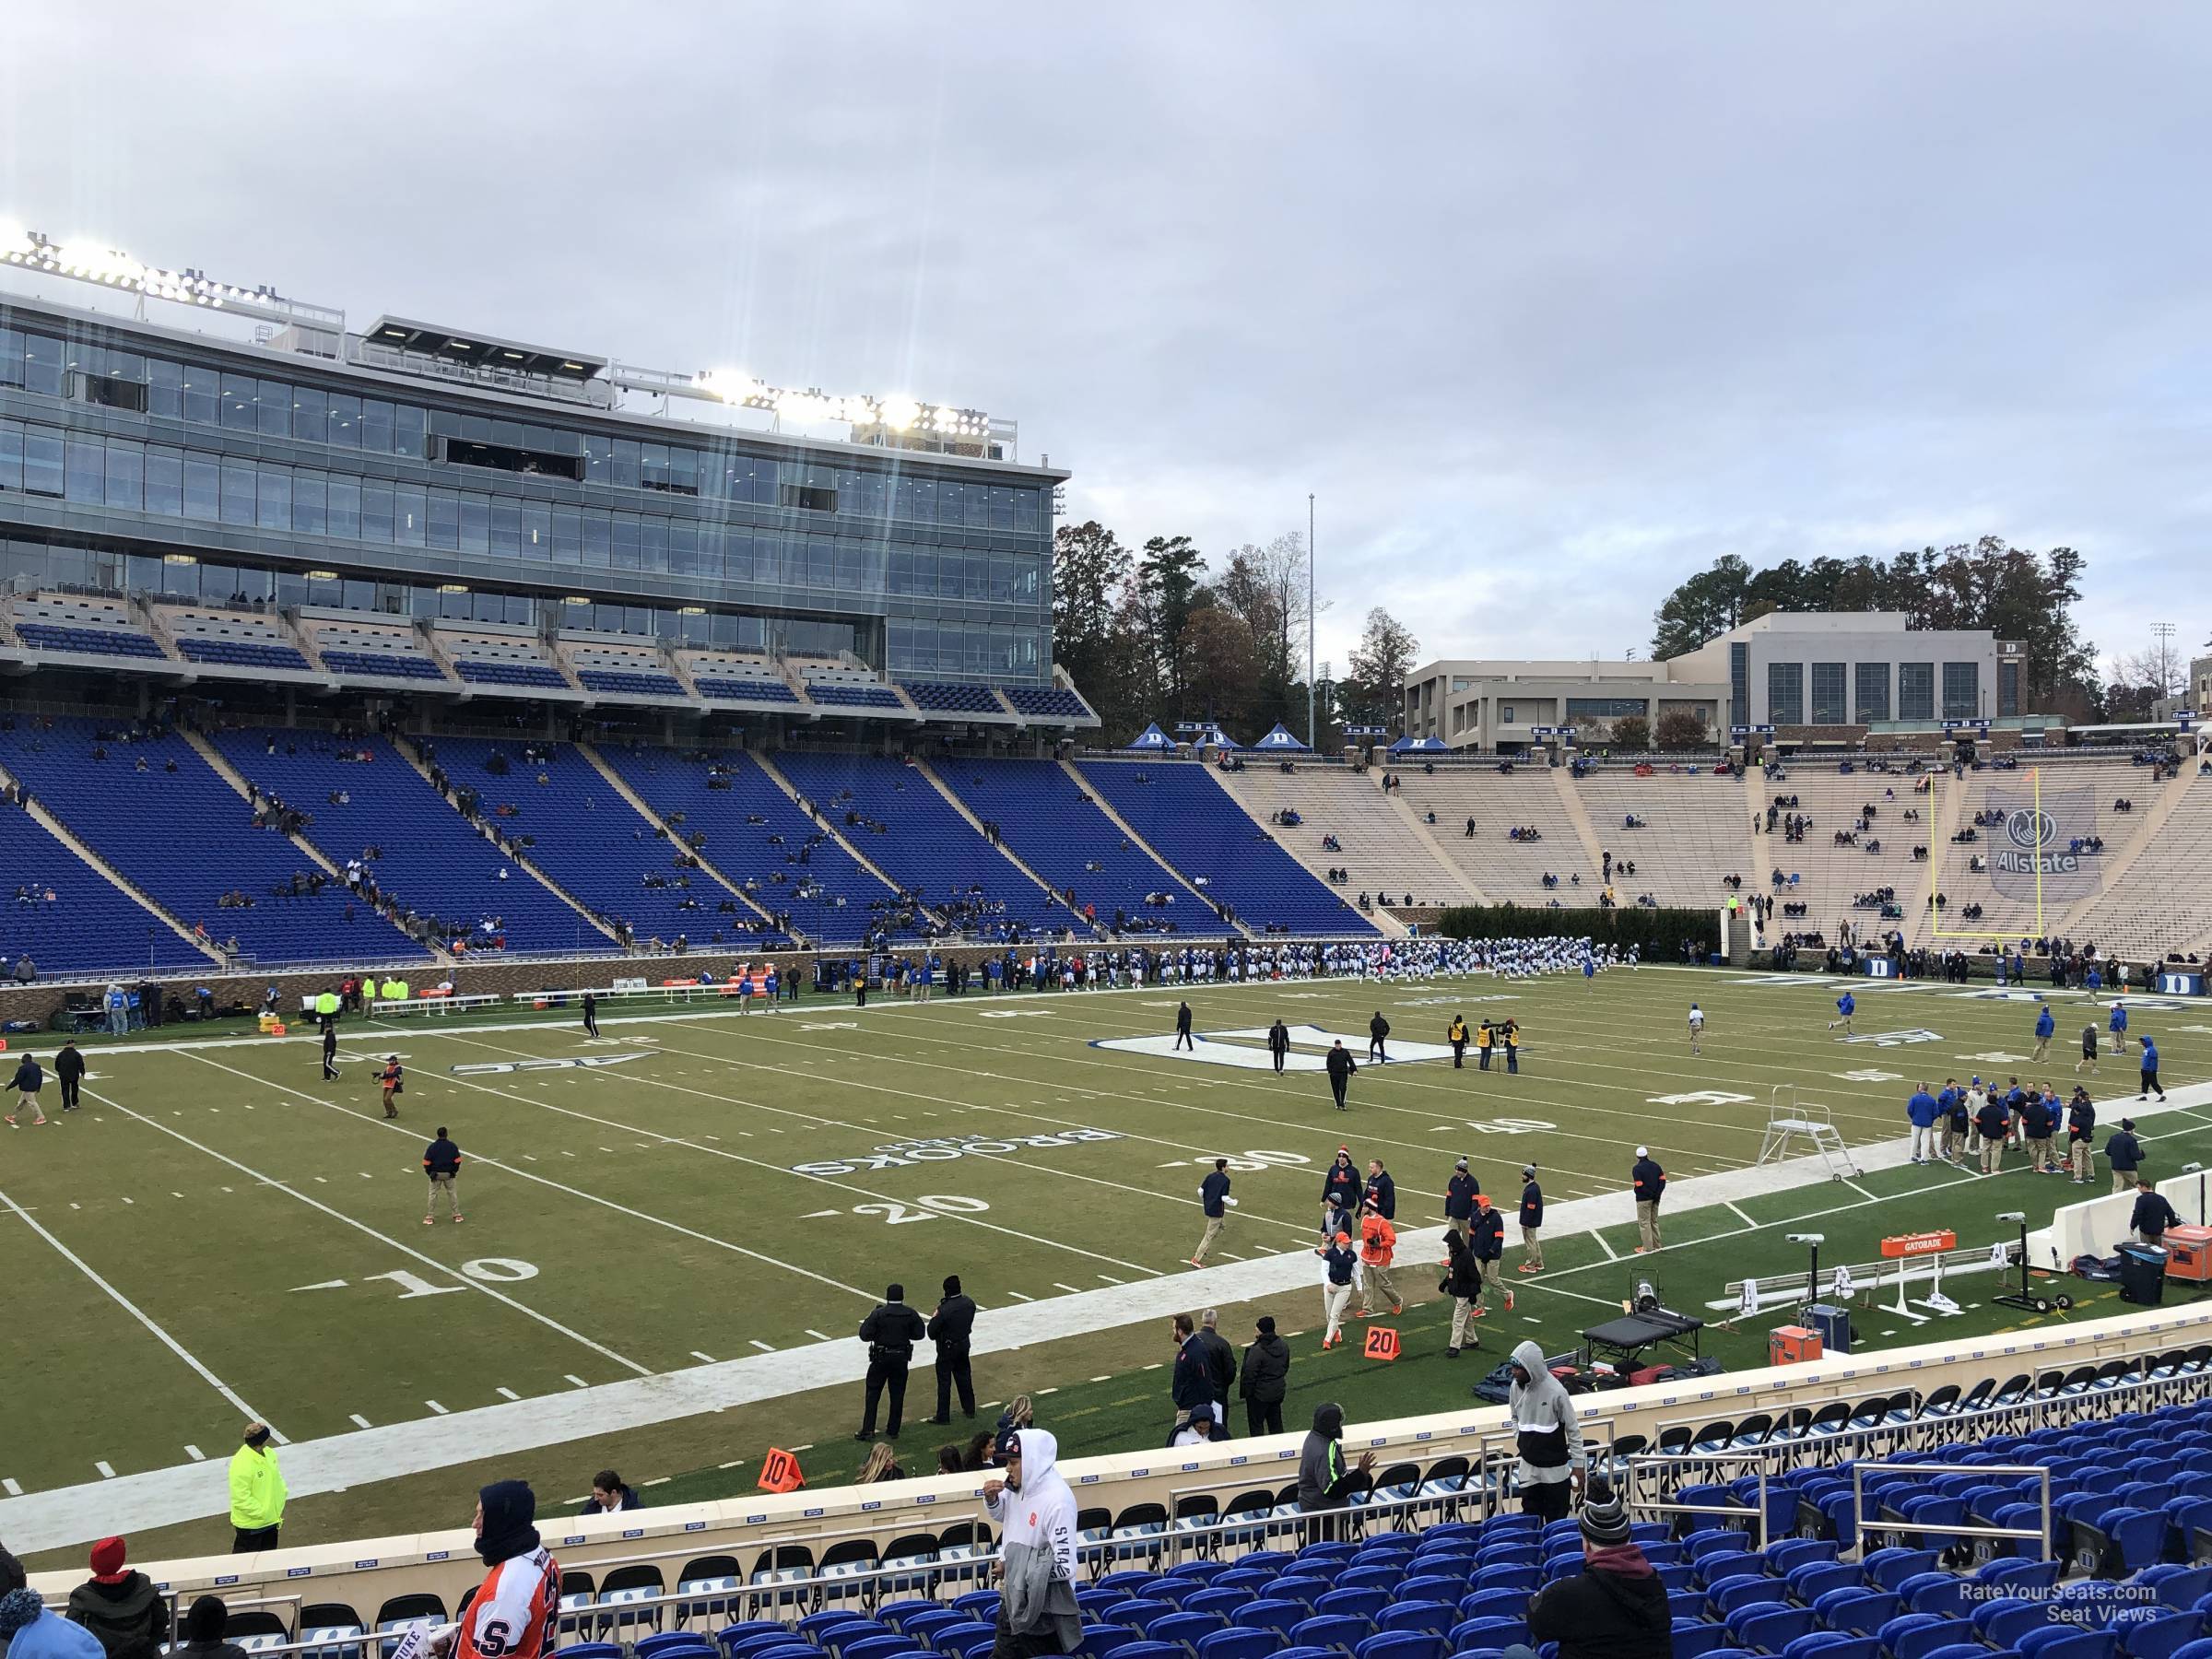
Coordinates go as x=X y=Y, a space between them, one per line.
x=1859 y=1471
x=1654 y=1506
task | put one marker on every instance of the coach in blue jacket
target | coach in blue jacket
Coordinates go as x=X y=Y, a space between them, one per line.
x=1922 y=1112
x=1532 y=1222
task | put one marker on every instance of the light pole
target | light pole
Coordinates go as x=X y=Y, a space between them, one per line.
x=1311 y=731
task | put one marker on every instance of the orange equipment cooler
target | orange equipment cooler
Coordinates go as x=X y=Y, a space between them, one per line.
x=2189 y=1253
x=1792 y=1345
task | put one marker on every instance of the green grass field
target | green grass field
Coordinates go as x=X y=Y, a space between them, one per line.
x=730 y=1187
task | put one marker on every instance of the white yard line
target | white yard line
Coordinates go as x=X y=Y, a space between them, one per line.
x=245 y=1412
x=362 y=1226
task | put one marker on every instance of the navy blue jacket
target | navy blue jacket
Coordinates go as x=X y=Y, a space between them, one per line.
x=1211 y=1191
x=1486 y=1238
x=1341 y=1262
x=1342 y=1183
x=442 y=1157
x=2123 y=1151
x=2038 y=1119
x=2081 y=1118
x=1384 y=1192
x=1650 y=1180
x=1992 y=1120
x=1193 y=1383
x=1459 y=1194
x=1532 y=1205
x=2152 y=1214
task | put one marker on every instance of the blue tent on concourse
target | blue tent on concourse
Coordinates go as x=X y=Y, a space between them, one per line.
x=1153 y=740
x=1421 y=745
x=1280 y=741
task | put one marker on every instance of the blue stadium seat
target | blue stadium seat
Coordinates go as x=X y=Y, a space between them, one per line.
x=1040 y=702
x=939 y=698
x=1190 y=820
x=389 y=665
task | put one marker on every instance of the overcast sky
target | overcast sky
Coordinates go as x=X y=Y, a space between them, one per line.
x=1549 y=305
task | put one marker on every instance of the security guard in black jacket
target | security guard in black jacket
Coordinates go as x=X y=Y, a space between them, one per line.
x=950 y=1328
x=891 y=1332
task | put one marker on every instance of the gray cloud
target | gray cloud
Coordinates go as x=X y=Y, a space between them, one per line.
x=1548 y=305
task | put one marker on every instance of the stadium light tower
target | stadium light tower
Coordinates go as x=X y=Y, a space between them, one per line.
x=1312 y=731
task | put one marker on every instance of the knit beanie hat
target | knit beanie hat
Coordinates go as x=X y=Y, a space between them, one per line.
x=107 y=1560
x=1605 y=1519
x=18 y=1608
x=207 y=1619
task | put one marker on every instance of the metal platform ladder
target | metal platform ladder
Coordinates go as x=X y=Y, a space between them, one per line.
x=1788 y=1122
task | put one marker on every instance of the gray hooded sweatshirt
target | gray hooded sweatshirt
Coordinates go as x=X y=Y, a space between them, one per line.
x=1036 y=1546
x=1545 y=1421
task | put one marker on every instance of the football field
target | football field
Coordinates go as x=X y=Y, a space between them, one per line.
x=219 y=1234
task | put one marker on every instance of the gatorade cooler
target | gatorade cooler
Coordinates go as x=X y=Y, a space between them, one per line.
x=1834 y=1326
x=2141 y=1275
x=2189 y=1253
x=1792 y=1345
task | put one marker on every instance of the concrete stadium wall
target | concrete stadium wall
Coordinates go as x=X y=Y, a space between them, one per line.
x=369 y=1572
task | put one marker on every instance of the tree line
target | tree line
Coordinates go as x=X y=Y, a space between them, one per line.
x=1158 y=633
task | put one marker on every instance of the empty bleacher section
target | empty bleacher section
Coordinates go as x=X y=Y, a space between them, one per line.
x=68 y=918
x=757 y=836
x=620 y=670
x=348 y=648
x=93 y=627
x=739 y=679
x=501 y=660
x=232 y=639
x=1045 y=702
x=1381 y=851
x=553 y=805
x=1187 y=818
x=924 y=843
x=1498 y=803
x=188 y=841
x=365 y=802
x=936 y=697
x=850 y=689
x=1043 y=817
x=2159 y=900
x=1694 y=832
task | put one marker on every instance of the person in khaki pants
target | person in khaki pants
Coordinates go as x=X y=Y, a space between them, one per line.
x=1992 y=1124
x=1649 y=1182
x=1532 y=1222
x=2081 y=1124
x=2124 y=1155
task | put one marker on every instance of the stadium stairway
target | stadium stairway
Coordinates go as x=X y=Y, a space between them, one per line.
x=620 y=785
x=1135 y=837
x=36 y=849
x=1005 y=852
x=1501 y=866
x=413 y=756
x=829 y=823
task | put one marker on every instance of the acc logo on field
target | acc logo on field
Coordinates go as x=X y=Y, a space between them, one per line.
x=2030 y=829
x=1381 y=1343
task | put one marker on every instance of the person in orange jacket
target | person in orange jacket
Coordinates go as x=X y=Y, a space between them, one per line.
x=1378 y=1249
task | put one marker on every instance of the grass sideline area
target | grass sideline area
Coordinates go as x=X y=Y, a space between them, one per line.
x=713 y=1186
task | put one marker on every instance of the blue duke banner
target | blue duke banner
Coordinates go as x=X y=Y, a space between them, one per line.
x=2042 y=837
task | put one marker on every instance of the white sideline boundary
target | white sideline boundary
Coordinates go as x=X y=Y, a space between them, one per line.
x=190 y=1491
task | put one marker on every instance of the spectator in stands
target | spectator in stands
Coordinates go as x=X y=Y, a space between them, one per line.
x=882 y=1464
x=1323 y=1482
x=609 y=1496
x=1615 y=1607
x=29 y=1631
x=205 y=1622
x=120 y=1606
x=1037 y=1610
x=1550 y=1435
x=513 y=1613
x=257 y=1493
